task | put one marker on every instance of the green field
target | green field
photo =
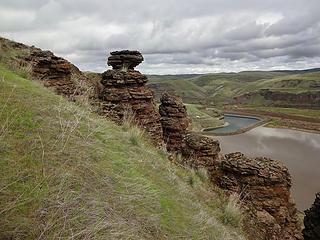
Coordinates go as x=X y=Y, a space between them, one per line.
x=309 y=113
x=204 y=117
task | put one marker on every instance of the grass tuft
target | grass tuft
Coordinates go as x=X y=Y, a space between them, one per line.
x=232 y=214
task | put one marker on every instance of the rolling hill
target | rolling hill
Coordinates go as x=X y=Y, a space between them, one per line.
x=219 y=89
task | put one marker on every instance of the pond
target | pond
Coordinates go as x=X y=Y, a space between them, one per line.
x=299 y=151
x=235 y=124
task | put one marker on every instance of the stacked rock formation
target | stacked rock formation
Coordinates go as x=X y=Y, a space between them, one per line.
x=264 y=185
x=311 y=229
x=57 y=73
x=201 y=151
x=174 y=120
x=124 y=93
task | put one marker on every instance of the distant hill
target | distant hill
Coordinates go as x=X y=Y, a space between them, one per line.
x=221 y=88
x=311 y=70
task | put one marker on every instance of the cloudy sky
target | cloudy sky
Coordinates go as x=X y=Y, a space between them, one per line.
x=175 y=36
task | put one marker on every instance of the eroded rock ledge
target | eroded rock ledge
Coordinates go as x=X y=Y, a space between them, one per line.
x=262 y=183
x=57 y=73
x=264 y=186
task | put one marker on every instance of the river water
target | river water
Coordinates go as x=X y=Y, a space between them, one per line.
x=235 y=123
x=299 y=151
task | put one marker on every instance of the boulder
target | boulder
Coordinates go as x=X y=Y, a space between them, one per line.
x=201 y=151
x=311 y=229
x=264 y=186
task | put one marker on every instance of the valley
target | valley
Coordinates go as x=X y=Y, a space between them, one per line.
x=289 y=99
x=288 y=102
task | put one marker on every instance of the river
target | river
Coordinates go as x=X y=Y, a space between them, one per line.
x=299 y=151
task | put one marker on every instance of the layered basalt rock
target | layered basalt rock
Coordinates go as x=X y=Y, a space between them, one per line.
x=123 y=92
x=174 y=120
x=125 y=60
x=201 y=151
x=57 y=73
x=312 y=221
x=264 y=186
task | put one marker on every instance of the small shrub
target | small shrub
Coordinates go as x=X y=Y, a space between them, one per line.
x=135 y=135
x=128 y=120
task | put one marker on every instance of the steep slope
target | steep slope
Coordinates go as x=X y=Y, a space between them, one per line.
x=66 y=173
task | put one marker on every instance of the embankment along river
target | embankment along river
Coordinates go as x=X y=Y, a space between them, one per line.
x=299 y=151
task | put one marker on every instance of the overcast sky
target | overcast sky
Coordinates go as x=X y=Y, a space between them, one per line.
x=175 y=36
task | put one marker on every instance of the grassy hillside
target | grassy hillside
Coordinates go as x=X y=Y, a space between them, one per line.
x=209 y=89
x=292 y=83
x=67 y=173
x=204 y=117
x=189 y=91
x=220 y=88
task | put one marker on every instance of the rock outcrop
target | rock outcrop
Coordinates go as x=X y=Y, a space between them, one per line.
x=174 y=120
x=124 y=92
x=57 y=73
x=201 y=152
x=264 y=186
x=312 y=221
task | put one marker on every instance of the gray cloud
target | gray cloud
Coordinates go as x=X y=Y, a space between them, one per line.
x=176 y=36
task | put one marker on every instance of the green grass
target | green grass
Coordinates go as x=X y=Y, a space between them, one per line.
x=220 y=88
x=11 y=54
x=203 y=117
x=182 y=87
x=67 y=173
